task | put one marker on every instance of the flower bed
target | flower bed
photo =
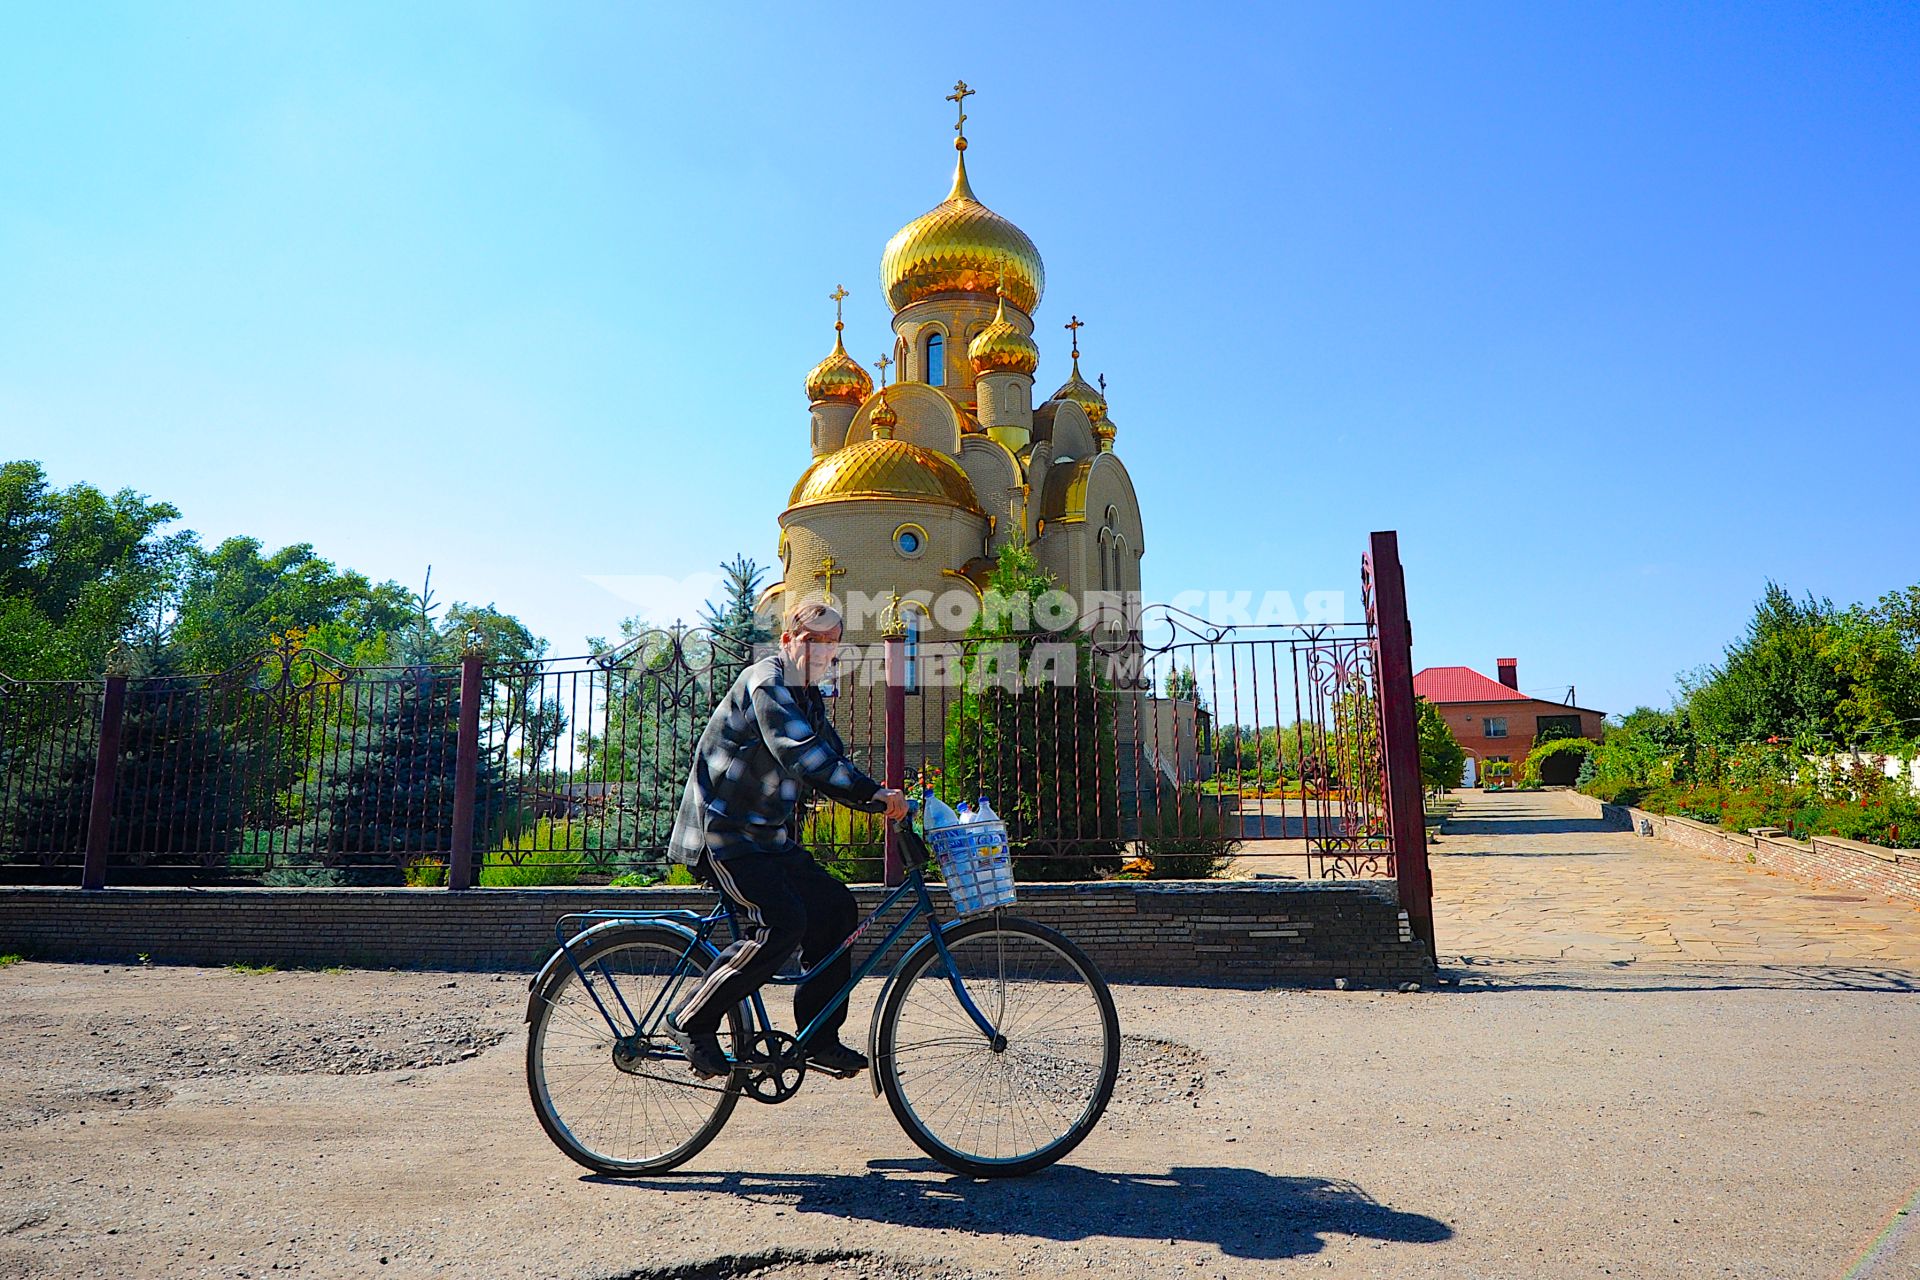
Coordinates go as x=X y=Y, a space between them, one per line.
x=1888 y=816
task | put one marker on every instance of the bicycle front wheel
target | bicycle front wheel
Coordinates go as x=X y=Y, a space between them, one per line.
x=623 y=1102
x=1010 y=1104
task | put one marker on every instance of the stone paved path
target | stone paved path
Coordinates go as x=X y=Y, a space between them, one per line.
x=1528 y=876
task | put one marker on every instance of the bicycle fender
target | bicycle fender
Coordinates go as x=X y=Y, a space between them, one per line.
x=879 y=1006
x=582 y=944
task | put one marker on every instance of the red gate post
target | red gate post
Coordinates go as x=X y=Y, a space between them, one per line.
x=466 y=774
x=1399 y=729
x=106 y=776
x=895 y=635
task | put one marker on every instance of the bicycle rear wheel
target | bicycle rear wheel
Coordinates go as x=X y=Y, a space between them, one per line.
x=1000 y=1108
x=623 y=1103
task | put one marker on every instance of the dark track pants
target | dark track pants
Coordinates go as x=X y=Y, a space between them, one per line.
x=784 y=900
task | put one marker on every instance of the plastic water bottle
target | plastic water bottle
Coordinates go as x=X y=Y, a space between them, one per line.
x=938 y=813
x=967 y=814
x=983 y=812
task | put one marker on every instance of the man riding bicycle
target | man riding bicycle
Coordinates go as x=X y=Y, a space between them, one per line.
x=738 y=828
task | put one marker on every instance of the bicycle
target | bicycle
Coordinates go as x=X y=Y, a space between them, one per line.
x=994 y=1039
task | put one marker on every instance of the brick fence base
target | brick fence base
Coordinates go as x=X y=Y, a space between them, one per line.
x=1294 y=932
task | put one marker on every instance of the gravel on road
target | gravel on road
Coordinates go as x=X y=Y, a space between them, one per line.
x=1527 y=1119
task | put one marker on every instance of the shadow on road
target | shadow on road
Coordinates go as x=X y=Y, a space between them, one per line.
x=1248 y=1214
x=1553 y=826
x=1442 y=851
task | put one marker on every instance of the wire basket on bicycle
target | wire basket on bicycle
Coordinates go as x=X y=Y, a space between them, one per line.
x=976 y=865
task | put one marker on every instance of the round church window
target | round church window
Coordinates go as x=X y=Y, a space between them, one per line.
x=911 y=539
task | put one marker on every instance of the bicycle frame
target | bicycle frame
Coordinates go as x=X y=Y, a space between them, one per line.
x=698 y=929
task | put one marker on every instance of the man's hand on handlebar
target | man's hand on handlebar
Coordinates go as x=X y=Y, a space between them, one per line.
x=896 y=802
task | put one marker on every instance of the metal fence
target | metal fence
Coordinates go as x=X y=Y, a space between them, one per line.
x=1168 y=746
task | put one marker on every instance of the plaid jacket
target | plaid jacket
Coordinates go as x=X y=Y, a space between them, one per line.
x=766 y=739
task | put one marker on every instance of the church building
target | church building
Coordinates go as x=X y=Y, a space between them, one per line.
x=914 y=487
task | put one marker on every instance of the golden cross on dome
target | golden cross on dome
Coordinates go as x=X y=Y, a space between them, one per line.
x=1074 y=326
x=959 y=98
x=838 y=295
x=828 y=571
x=881 y=364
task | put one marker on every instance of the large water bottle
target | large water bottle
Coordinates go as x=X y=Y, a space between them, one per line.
x=937 y=813
x=983 y=812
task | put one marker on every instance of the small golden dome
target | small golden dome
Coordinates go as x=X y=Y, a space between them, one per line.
x=1002 y=348
x=883 y=419
x=886 y=469
x=1076 y=389
x=1103 y=433
x=961 y=246
x=839 y=377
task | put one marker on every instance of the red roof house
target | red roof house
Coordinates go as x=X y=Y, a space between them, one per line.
x=1493 y=720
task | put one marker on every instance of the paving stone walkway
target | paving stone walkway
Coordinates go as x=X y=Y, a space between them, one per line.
x=1528 y=876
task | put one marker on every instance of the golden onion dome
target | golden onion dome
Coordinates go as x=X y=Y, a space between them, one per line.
x=1103 y=433
x=961 y=246
x=886 y=469
x=839 y=377
x=883 y=419
x=1076 y=389
x=1002 y=348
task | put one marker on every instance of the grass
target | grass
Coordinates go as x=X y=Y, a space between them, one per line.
x=252 y=970
x=12 y=957
x=550 y=852
x=537 y=868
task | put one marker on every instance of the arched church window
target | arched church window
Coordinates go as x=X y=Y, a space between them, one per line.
x=1111 y=578
x=936 y=361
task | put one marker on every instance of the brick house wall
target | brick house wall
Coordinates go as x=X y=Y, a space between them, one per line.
x=1468 y=720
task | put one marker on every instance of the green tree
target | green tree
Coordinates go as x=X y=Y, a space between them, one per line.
x=1442 y=758
x=1807 y=671
x=660 y=686
x=732 y=615
x=1043 y=749
x=235 y=600
x=392 y=802
x=80 y=571
x=180 y=793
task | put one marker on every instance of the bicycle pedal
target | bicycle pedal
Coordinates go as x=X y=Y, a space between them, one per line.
x=848 y=1074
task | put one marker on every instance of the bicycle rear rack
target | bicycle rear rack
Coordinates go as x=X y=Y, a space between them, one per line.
x=583 y=920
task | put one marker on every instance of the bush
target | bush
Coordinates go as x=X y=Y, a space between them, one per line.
x=852 y=846
x=304 y=878
x=676 y=876
x=1442 y=759
x=1553 y=756
x=1184 y=837
x=1623 y=791
x=1890 y=819
x=550 y=852
x=426 y=873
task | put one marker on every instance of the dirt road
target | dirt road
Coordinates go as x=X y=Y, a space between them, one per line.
x=1538 y=1120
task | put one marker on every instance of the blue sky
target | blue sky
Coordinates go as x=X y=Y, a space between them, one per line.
x=1609 y=310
